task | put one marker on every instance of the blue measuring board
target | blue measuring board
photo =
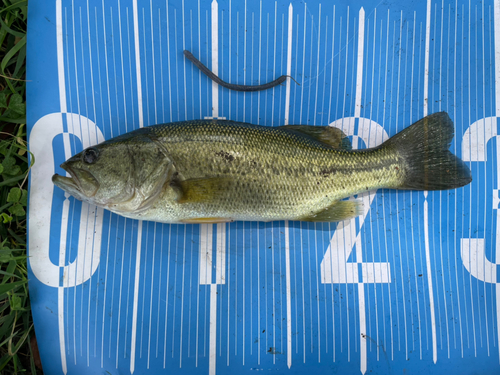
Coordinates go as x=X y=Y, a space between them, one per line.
x=411 y=285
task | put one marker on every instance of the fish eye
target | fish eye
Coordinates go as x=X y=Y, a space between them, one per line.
x=90 y=156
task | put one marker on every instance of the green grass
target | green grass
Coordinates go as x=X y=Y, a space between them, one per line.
x=17 y=343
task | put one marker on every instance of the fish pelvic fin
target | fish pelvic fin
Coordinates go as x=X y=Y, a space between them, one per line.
x=429 y=165
x=338 y=211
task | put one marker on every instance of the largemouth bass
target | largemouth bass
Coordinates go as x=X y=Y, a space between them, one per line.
x=210 y=171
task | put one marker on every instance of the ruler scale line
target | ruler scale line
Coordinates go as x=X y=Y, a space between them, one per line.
x=125 y=221
x=448 y=200
x=62 y=254
x=357 y=114
x=496 y=23
x=470 y=158
x=456 y=199
x=426 y=204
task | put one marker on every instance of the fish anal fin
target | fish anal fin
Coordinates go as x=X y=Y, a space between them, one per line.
x=329 y=135
x=338 y=211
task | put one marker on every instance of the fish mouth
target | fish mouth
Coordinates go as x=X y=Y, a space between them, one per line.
x=74 y=184
x=65 y=183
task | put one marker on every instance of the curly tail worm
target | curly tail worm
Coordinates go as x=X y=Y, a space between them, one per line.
x=232 y=86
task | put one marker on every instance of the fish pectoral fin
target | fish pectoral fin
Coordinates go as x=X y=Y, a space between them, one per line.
x=329 y=135
x=338 y=211
x=198 y=190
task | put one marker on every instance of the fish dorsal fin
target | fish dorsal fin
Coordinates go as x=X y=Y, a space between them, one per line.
x=329 y=135
x=338 y=211
x=198 y=190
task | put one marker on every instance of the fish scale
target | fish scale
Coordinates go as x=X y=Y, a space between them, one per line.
x=273 y=173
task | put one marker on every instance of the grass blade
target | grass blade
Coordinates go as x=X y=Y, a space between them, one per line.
x=4 y=288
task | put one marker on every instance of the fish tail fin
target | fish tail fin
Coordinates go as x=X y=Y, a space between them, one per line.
x=429 y=165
